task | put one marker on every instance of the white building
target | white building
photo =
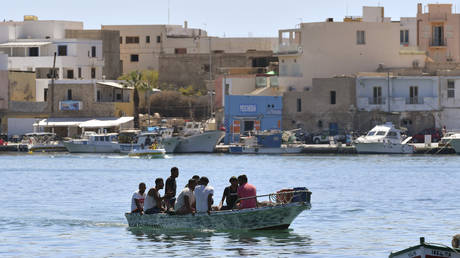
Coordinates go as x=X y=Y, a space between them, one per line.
x=388 y=93
x=359 y=44
x=450 y=103
x=31 y=44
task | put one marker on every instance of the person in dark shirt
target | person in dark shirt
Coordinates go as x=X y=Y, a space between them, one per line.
x=170 y=188
x=230 y=194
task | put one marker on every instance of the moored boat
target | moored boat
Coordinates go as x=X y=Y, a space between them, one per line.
x=428 y=250
x=94 y=143
x=43 y=142
x=278 y=215
x=383 y=139
x=204 y=142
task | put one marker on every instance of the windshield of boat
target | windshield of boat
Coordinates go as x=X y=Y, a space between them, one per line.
x=371 y=133
x=392 y=134
x=380 y=133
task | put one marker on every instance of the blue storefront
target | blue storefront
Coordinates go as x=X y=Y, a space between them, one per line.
x=245 y=114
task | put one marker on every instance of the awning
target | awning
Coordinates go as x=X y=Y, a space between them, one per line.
x=24 y=44
x=103 y=123
x=113 y=84
x=61 y=122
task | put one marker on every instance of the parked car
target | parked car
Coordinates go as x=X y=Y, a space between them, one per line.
x=323 y=137
x=434 y=132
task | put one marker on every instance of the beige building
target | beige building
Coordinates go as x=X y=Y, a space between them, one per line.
x=142 y=45
x=439 y=32
x=359 y=44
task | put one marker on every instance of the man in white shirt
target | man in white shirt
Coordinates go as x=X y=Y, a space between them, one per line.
x=185 y=202
x=153 y=201
x=203 y=195
x=137 y=201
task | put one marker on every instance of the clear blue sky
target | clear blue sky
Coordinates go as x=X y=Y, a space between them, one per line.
x=235 y=18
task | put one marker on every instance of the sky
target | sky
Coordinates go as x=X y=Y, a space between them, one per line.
x=234 y=18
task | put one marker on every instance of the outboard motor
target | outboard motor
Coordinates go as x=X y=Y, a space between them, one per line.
x=301 y=196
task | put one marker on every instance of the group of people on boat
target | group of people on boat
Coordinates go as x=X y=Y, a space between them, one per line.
x=196 y=197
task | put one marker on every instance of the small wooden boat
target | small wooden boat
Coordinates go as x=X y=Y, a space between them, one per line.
x=276 y=215
x=428 y=250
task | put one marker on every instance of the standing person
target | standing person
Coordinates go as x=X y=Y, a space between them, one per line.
x=152 y=203
x=170 y=188
x=203 y=194
x=186 y=199
x=230 y=194
x=137 y=201
x=246 y=190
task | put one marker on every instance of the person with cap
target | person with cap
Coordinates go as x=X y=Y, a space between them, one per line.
x=230 y=194
x=203 y=195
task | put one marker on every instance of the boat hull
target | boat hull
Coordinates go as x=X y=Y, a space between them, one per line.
x=276 y=217
x=92 y=148
x=425 y=251
x=383 y=148
x=156 y=153
x=201 y=143
x=455 y=143
x=47 y=148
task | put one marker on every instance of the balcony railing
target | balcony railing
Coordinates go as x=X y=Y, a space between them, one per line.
x=414 y=100
x=438 y=42
x=377 y=101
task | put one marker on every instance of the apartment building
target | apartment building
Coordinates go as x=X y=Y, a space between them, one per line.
x=31 y=44
x=439 y=32
x=358 y=44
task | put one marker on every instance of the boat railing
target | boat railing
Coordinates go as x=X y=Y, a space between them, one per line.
x=283 y=196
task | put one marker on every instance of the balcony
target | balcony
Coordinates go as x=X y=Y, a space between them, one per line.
x=377 y=101
x=414 y=100
x=438 y=42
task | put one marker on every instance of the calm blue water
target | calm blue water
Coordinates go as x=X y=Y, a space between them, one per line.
x=363 y=206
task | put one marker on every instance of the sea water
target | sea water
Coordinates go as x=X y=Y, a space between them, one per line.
x=362 y=205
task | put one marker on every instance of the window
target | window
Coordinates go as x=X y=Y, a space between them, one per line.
x=121 y=40
x=158 y=39
x=93 y=73
x=360 y=37
x=134 y=58
x=333 y=97
x=206 y=67
x=180 y=51
x=45 y=94
x=69 y=74
x=93 y=51
x=132 y=40
x=98 y=95
x=147 y=39
x=62 y=50
x=118 y=97
x=377 y=95
x=438 y=36
x=79 y=72
x=33 y=51
x=69 y=94
x=413 y=95
x=248 y=126
x=299 y=105
x=451 y=89
x=404 y=37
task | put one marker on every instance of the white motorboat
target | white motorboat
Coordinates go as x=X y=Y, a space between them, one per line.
x=452 y=139
x=278 y=214
x=43 y=142
x=145 y=139
x=384 y=139
x=194 y=139
x=150 y=152
x=94 y=143
x=429 y=250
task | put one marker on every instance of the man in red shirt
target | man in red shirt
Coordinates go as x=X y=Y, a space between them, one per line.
x=246 y=190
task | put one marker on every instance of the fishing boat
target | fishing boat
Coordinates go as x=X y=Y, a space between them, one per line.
x=43 y=142
x=145 y=139
x=276 y=214
x=384 y=139
x=195 y=139
x=429 y=250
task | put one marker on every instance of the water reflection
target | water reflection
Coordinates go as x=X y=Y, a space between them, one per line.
x=229 y=242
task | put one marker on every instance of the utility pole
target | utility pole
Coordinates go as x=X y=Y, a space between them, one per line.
x=388 y=91
x=53 y=74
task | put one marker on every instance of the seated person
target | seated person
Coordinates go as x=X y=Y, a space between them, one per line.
x=153 y=201
x=246 y=190
x=203 y=195
x=186 y=200
x=137 y=201
x=230 y=195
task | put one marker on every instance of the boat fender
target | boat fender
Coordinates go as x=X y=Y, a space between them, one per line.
x=456 y=241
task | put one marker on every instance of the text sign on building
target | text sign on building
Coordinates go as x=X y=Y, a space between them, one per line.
x=248 y=108
x=70 y=105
